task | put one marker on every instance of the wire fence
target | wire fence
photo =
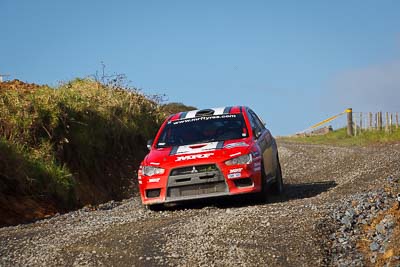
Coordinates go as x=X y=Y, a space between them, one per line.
x=375 y=121
x=360 y=121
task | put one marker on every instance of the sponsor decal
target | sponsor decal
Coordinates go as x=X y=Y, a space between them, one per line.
x=154 y=180
x=190 y=117
x=183 y=115
x=219 y=111
x=234 y=175
x=197 y=156
x=227 y=110
x=236 y=170
x=257 y=166
x=198 y=148
x=191 y=114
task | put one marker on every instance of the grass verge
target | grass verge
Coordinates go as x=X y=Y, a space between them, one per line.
x=79 y=143
x=340 y=137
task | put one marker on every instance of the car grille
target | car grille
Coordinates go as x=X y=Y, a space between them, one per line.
x=197 y=180
x=191 y=169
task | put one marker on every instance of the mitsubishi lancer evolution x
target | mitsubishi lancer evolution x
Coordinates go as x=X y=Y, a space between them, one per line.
x=210 y=153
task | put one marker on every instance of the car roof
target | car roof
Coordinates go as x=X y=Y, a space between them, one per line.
x=207 y=112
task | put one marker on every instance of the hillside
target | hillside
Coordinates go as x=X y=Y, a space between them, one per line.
x=65 y=147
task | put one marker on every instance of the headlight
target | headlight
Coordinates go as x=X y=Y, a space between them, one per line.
x=245 y=159
x=150 y=170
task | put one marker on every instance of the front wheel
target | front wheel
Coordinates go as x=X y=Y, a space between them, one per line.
x=277 y=187
x=155 y=207
x=262 y=196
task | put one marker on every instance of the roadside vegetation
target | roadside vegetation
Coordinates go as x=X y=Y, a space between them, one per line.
x=172 y=108
x=340 y=137
x=77 y=144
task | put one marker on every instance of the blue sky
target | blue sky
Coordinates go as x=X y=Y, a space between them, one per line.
x=293 y=62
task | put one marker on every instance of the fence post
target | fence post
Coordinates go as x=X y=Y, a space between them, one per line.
x=377 y=121
x=390 y=122
x=380 y=120
x=397 y=120
x=361 y=122
x=387 y=122
x=355 y=127
x=370 y=120
x=350 y=122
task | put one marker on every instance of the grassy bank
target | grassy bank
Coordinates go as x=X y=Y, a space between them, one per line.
x=65 y=147
x=340 y=137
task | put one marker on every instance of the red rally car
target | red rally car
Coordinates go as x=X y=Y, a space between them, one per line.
x=209 y=153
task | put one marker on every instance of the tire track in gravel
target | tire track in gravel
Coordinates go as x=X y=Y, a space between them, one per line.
x=219 y=232
x=281 y=233
x=114 y=247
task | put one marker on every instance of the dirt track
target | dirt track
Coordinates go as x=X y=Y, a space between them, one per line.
x=224 y=232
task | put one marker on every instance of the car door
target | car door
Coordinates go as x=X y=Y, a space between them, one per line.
x=265 y=142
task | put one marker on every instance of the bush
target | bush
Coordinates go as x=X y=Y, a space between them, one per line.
x=79 y=143
x=172 y=108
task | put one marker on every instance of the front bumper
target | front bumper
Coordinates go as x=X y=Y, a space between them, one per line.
x=198 y=185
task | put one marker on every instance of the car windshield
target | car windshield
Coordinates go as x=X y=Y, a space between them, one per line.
x=202 y=130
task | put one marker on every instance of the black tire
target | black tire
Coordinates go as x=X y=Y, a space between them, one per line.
x=155 y=207
x=277 y=187
x=262 y=196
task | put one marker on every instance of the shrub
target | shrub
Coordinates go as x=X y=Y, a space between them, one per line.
x=79 y=143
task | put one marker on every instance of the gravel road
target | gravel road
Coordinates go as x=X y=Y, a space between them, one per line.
x=297 y=229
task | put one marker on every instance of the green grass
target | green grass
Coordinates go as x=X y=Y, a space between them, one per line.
x=340 y=137
x=80 y=142
x=28 y=172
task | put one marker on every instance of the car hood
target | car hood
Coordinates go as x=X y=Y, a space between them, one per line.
x=197 y=153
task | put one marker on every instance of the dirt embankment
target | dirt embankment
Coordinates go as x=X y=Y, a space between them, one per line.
x=318 y=222
x=18 y=85
x=68 y=146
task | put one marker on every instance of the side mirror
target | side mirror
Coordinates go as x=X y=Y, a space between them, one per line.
x=150 y=143
x=256 y=132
